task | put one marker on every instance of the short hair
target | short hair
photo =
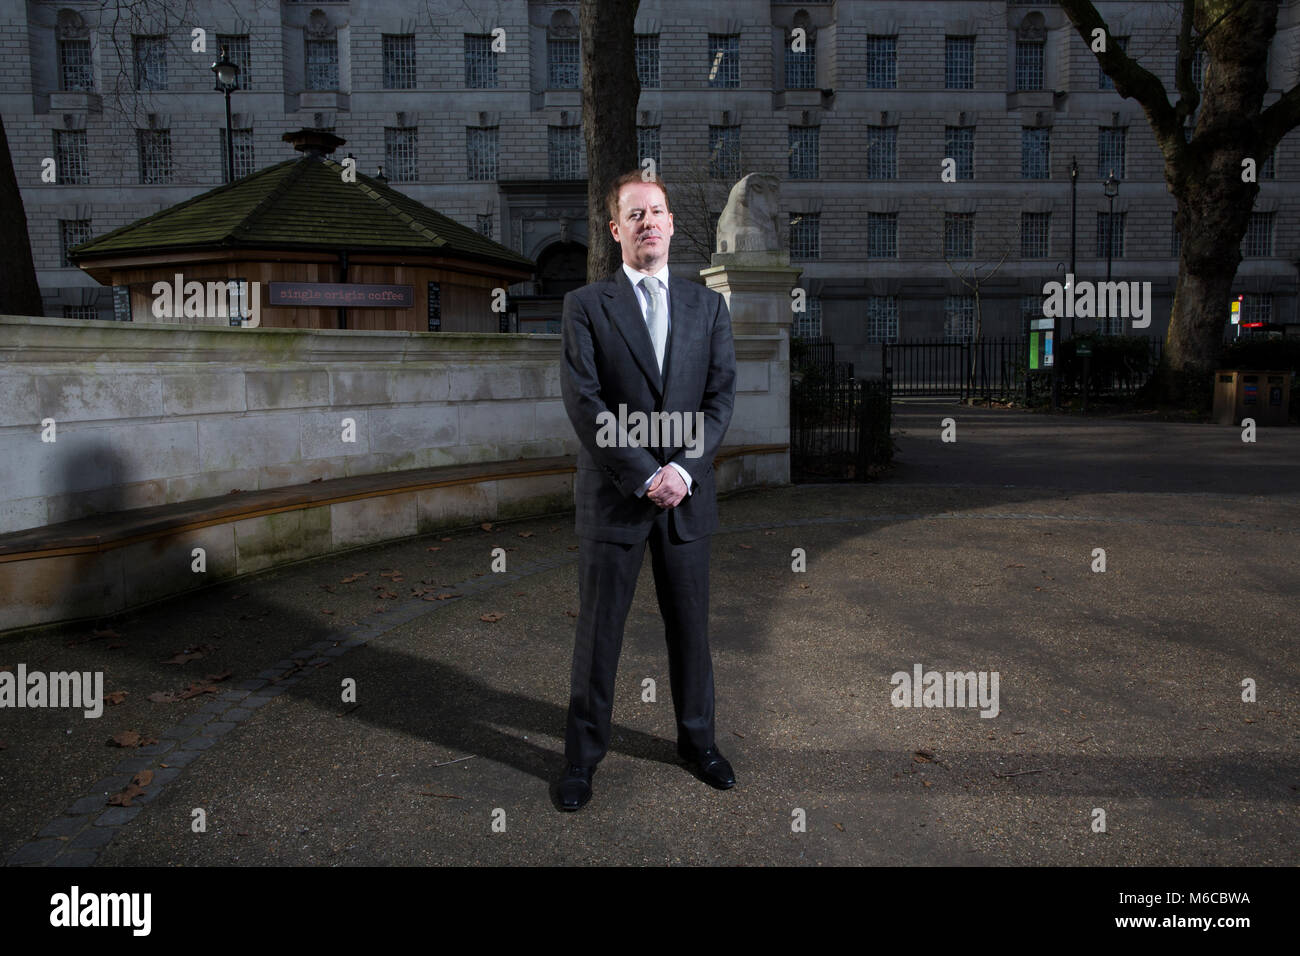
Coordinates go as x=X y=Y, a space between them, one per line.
x=635 y=176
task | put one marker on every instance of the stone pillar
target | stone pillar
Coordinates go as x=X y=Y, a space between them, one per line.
x=757 y=286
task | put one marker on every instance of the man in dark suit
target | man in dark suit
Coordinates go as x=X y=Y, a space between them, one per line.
x=642 y=341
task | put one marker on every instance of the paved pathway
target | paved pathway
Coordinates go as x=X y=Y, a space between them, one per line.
x=1118 y=691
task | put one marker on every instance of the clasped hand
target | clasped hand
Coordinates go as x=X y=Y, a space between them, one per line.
x=668 y=489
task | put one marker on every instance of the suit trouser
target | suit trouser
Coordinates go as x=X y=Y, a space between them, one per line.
x=607 y=576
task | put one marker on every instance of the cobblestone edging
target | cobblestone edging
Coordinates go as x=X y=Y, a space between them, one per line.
x=76 y=837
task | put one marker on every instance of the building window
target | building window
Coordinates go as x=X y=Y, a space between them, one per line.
x=882 y=235
x=1198 y=68
x=1035 y=152
x=237 y=51
x=647 y=145
x=882 y=319
x=958 y=318
x=1104 y=227
x=1268 y=168
x=244 y=165
x=882 y=152
x=1035 y=230
x=1110 y=151
x=882 y=62
x=399 y=61
x=150 y=62
x=805 y=235
x=805 y=152
x=401 y=154
x=564 y=152
x=76 y=72
x=958 y=235
x=72 y=232
x=959 y=145
x=435 y=307
x=1104 y=82
x=1175 y=237
x=483 y=223
x=1256 y=307
x=808 y=323
x=155 y=147
x=959 y=63
x=647 y=60
x=323 y=63
x=83 y=312
x=724 y=61
x=801 y=65
x=724 y=152
x=482 y=153
x=1259 y=235
x=1031 y=307
x=1029 y=65
x=71 y=156
x=562 y=64
x=480 y=63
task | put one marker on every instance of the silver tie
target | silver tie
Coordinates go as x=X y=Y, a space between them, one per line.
x=655 y=320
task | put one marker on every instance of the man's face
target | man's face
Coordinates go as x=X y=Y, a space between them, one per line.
x=644 y=227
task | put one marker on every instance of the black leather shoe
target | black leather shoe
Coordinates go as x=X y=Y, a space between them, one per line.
x=575 y=787
x=712 y=768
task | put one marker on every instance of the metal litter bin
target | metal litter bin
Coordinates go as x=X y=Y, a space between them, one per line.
x=1264 y=396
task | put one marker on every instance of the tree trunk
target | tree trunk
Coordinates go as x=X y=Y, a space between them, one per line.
x=19 y=292
x=610 y=90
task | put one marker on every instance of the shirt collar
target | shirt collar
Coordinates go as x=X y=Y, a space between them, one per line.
x=635 y=277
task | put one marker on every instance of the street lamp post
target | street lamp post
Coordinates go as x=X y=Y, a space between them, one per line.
x=1111 y=188
x=1074 y=205
x=227 y=75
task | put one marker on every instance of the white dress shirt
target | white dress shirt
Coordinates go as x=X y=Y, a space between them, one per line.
x=635 y=278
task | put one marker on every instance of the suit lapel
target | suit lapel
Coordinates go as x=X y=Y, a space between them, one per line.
x=625 y=312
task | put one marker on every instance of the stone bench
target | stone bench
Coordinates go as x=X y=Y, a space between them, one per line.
x=99 y=565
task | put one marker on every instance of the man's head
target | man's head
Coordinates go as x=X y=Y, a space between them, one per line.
x=640 y=220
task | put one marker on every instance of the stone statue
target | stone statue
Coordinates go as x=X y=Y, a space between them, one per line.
x=751 y=222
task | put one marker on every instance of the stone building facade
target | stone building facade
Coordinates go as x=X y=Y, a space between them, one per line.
x=474 y=109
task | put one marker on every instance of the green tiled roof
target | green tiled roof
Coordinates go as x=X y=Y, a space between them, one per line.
x=301 y=204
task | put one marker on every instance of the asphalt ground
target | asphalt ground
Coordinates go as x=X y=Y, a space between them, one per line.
x=1119 y=691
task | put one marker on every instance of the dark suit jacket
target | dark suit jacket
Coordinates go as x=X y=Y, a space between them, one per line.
x=609 y=361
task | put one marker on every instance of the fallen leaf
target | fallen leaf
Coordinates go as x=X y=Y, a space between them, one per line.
x=923 y=756
x=491 y=617
x=486 y=526
x=354 y=577
x=840 y=827
x=113 y=647
x=131 y=738
x=444 y=539
x=525 y=534
x=1013 y=566
x=436 y=547
x=328 y=587
x=390 y=574
x=324 y=611
x=926 y=783
x=184 y=657
x=571 y=613
x=116 y=696
x=124 y=798
x=218 y=678
x=446 y=595
x=747 y=547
